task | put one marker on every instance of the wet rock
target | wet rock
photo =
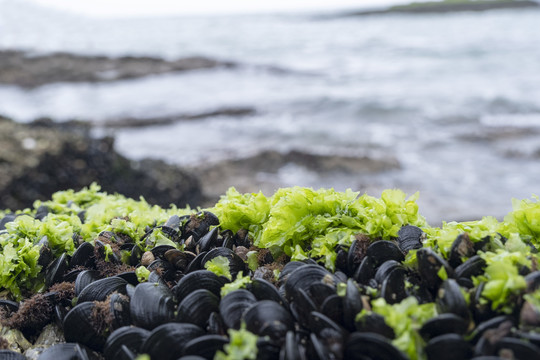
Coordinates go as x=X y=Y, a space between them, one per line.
x=28 y=70
x=43 y=157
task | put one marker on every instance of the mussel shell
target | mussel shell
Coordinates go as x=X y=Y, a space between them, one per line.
x=292 y=349
x=205 y=346
x=356 y=253
x=533 y=281
x=366 y=271
x=352 y=304
x=83 y=256
x=196 y=264
x=319 y=322
x=386 y=268
x=160 y=250
x=429 y=264
x=9 y=306
x=151 y=305
x=318 y=292
x=264 y=290
x=84 y=278
x=393 y=286
x=233 y=306
x=100 y=289
x=487 y=325
x=461 y=247
x=132 y=337
x=197 y=307
x=287 y=270
x=474 y=266
x=119 y=310
x=11 y=355
x=65 y=351
x=519 y=348
x=371 y=346
x=199 y=224
x=56 y=270
x=208 y=241
x=448 y=347
x=333 y=308
x=410 y=237
x=374 y=323
x=79 y=327
x=200 y=279
x=443 y=324
x=305 y=276
x=384 y=250
x=167 y=341
x=267 y=317
x=451 y=300
x=236 y=264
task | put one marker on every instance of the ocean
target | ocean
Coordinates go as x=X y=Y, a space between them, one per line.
x=453 y=98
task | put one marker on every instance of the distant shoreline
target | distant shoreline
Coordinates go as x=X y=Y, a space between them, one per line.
x=448 y=6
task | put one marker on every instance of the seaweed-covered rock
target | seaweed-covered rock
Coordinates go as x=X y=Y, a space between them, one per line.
x=43 y=157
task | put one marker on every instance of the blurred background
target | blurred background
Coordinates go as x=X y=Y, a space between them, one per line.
x=444 y=99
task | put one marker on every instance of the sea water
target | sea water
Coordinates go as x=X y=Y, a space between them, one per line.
x=454 y=98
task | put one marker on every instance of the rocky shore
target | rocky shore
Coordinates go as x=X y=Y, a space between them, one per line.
x=29 y=70
x=43 y=157
x=449 y=6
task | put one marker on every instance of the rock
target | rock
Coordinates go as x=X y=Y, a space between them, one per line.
x=245 y=173
x=26 y=70
x=235 y=112
x=449 y=6
x=43 y=157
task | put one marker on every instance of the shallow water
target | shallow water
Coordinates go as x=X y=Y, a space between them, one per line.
x=455 y=98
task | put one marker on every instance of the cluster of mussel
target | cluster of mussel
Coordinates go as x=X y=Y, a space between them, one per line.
x=307 y=313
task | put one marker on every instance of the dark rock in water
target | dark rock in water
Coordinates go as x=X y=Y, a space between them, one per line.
x=18 y=68
x=43 y=157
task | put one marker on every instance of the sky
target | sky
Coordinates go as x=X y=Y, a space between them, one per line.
x=127 y=8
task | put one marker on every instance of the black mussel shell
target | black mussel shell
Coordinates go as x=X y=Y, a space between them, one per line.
x=352 y=304
x=79 y=327
x=288 y=269
x=384 y=250
x=357 y=252
x=429 y=265
x=451 y=300
x=119 y=310
x=205 y=346
x=333 y=308
x=292 y=349
x=492 y=323
x=9 y=306
x=167 y=341
x=393 y=287
x=386 y=268
x=374 y=323
x=233 y=306
x=533 y=281
x=305 y=276
x=66 y=351
x=474 y=266
x=179 y=259
x=236 y=264
x=100 y=289
x=45 y=253
x=83 y=256
x=269 y=318
x=371 y=346
x=461 y=247
x=410 y=237
x=264 y=290
x=56 y=270
x=132 y=337
x=196 y=263
x=366 y=271
x=199 y=224
x=319 y=322
x=159 y=251
x=208 y=241
x=267 y=349
x=130 y=277
x=215 y=325
x=197 y=307
x=443 y=324
x=84 y=278
x=318 y=292
x=448 y=347
x=11 y=355
x=151 y=305
x=200 y=279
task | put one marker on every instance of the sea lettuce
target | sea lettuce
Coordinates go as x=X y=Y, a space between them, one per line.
x=502 y=278
x=242 y=346
x=525 y=219
x=406 y=318
x=240 y=282
x=219 y=266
